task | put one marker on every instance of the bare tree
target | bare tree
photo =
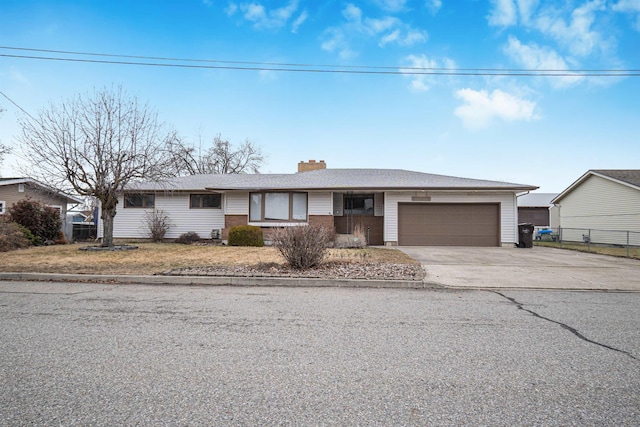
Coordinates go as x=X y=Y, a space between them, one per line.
x=221 y=158
x=4 y=149
x=96 y=144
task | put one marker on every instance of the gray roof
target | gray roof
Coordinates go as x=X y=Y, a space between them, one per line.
x=630 y=176
x=331 y=179
x=25 y=180
x=536 y=200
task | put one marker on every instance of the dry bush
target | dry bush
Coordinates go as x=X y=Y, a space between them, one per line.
x=303 y=246
x=158 y=223
x=188 y=238
x=12 y=236
x=356 y=240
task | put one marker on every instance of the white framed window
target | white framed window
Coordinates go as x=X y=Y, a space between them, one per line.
x=3 y=207
x=277 y=206
x=20 y=188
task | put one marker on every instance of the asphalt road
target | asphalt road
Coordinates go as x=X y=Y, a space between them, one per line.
x=96 y=354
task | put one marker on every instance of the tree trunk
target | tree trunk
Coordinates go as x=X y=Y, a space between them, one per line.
x=107 y=227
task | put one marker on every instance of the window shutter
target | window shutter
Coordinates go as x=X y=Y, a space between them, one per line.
x=378 y=204
x=338 y=202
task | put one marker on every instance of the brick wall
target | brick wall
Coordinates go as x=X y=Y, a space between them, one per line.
x=375 y=224
x=232 y=221
x=323 y=220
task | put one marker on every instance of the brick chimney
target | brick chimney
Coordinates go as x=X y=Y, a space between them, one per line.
x=311 y=165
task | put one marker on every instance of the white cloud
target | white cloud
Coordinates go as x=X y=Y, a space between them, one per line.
x=352 y=13
x=299 y=21
x=335 y=42
x=387 y=30
x=391 y=5
x=577 y=34
x=376 y=26
x=503 y=13
x=631 y=7
x=207 y=3
x=434 y=6
x=534 y=57
x=481 y=108
x=418 y=63
x=526 y=9
x=626 y=6
x=264 y=19
x=231 y=9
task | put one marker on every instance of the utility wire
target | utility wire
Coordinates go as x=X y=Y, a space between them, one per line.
x=306 y=68
x=14 y=103
x=285 y=64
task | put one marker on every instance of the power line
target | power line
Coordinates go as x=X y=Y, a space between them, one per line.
x=14 y=103
x=311 y=68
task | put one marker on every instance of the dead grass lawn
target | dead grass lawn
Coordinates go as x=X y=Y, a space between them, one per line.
x=153 y=258
x=634 y=252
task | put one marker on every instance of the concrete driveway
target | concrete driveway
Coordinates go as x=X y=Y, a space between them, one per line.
x=537 y=267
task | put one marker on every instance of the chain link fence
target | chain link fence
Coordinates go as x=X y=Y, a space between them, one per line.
x=616 y=242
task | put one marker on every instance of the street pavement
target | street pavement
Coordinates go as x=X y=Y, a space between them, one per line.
x=528 y=268
x=107 y=354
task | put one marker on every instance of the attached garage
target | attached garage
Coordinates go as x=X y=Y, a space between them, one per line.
x=449 y=224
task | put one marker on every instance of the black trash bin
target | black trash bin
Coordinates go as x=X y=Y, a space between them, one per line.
x=525 y=235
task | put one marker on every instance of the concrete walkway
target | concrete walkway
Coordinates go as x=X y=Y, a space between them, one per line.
x=537 y=267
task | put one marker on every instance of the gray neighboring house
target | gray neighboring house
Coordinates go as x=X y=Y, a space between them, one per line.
x=533 y=208
x=394 y=207
x=601 y=199
x=14 y=189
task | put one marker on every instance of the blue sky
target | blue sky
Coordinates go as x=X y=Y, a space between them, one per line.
x=545 y=131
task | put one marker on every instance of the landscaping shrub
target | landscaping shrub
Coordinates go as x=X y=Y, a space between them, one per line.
x=357 y=239
x=33 y=240
x=12 y=236
x=43 y=221
x=158 y=224
x=246 y=235
x=188 y=238
x=302 y=246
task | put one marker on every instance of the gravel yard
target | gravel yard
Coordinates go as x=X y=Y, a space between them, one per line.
x=328 y=270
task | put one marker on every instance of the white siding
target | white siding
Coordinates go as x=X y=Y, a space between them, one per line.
x=237 y=203
x=131 y=222
x=601 y=204
x=507 y=201
x=320 y=203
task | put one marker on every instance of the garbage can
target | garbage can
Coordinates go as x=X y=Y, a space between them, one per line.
x=525 y=235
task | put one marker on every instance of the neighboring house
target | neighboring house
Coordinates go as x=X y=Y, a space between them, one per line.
x=601 y=199
x=533 y=208
x=394 y=207
x=15 y=189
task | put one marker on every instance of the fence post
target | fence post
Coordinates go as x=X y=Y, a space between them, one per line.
x=560 y=235
x=589 y=241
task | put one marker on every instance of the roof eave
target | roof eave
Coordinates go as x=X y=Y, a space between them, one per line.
x=367 y=188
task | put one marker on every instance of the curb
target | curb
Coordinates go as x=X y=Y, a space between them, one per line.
x=221 y=280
